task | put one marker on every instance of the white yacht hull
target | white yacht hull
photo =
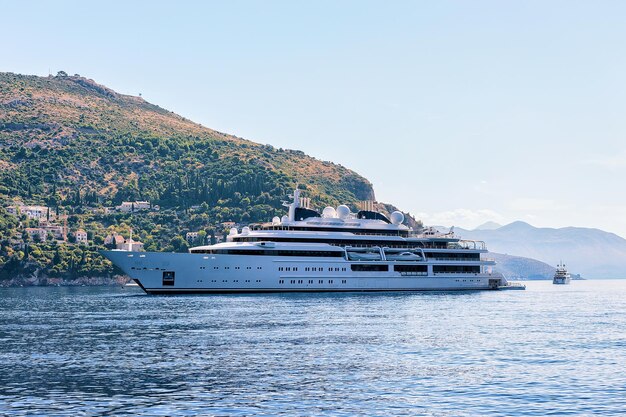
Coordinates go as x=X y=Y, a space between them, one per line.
x=168 y=273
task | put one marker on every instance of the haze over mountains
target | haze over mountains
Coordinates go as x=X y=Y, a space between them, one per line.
x=593 y=253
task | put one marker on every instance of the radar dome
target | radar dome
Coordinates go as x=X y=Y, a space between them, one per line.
x=245 y=230
x=233 y=231
x=397 y=217
x=284 y=219
x=343 y=212
x=275 y=220
x=329 y=213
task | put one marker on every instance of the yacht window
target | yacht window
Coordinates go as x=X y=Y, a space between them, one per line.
x=367 y=267
x=456 y=268
x=410 y=268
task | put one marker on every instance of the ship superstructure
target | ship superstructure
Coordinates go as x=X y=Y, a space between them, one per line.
x=335 y=250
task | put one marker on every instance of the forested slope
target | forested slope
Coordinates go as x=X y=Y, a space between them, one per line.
x=78 y=147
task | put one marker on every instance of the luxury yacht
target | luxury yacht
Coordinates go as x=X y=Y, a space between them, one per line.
x=335 y=250
x=561 y=276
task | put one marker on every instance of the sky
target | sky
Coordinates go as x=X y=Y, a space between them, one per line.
x=458 y=112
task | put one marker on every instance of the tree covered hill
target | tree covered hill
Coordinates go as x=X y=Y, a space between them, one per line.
x=68 y=141
x=77 y=147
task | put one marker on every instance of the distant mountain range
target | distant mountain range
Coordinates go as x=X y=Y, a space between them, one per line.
x=592 y=253
x=518 y=267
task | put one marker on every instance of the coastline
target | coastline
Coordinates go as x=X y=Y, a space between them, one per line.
x=44 y=281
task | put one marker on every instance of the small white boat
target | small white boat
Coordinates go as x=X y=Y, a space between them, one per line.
x=561 y=276
x=363 y=256
x=403 y=256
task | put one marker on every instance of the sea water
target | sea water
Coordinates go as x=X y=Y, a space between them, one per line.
x=549 y=350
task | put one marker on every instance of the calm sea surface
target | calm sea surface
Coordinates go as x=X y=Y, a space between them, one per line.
x=550 y=350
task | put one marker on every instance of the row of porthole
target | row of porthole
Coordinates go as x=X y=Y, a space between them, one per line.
x=465 y=280
x=310 y=269
x=138 y=268
x=301 y=281
x=202 y=267
x=228 y=267
x=320 y=269
x=235 y=280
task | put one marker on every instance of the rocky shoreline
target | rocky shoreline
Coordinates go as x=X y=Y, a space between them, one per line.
x=39 y=281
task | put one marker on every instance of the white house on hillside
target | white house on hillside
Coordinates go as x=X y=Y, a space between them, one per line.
x=114 y=239
x=191 y=237
x=131 y=245
x=37 y=233
x=128 y=206
x=32 y=212
x=81 y=236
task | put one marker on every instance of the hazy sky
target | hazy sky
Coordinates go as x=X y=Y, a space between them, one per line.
x=458 y=111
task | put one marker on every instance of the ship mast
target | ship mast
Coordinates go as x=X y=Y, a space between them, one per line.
x=293 y=206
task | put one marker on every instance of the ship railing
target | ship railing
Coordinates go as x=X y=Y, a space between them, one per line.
x=423 y=245
x=460 y=259
x=468 y=244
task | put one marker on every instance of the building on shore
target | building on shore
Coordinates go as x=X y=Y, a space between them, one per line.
x=32 y=212
x=37 y=233
x=191 y=237
x=132 y=206
x=114 y=239
x=130 y=245
x=81 y=236
x=57 y=231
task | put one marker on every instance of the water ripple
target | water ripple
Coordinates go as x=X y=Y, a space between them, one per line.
x=102 y=351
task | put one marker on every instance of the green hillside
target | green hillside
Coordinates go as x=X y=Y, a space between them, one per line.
x=75 y=146
x=63 y=135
